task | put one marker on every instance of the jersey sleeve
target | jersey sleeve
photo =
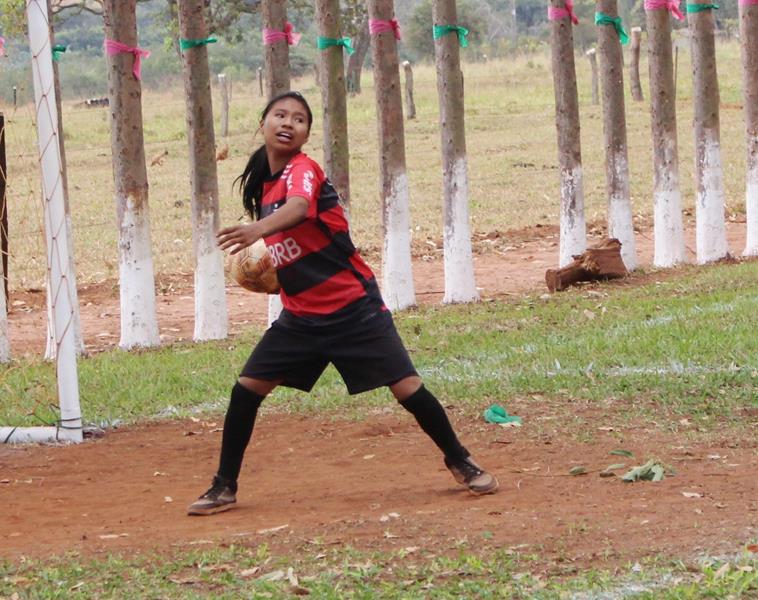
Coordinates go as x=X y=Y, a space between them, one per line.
x=303 y=181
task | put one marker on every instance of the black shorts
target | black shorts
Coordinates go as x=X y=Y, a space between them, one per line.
x=366 y=350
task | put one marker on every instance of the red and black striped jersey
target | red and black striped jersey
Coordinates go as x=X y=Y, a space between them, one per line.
x=319 y=268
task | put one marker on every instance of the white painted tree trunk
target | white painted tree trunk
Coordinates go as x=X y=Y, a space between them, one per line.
x=667 y=210
x=274 y=307
x=211 y=316
x=573 y=237
x=397 y=274
x=751 y=206
x=460 y=285
x=620 y=222
x=139 y=322
x=710 y=230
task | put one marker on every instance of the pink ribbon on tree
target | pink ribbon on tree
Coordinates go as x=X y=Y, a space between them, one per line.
x=380 y=26
x=556 y=14
x=113 y=47
x=271 y=36
x=748 y=2
x=671 y=5
x=2 y=46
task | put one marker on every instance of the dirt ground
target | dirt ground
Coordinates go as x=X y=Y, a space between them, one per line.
x=312 y=482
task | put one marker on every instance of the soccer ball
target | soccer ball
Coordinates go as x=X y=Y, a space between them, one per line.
x=253 y=269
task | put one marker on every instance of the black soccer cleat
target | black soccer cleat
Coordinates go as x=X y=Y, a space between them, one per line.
x=471 y=475
x=220 y=497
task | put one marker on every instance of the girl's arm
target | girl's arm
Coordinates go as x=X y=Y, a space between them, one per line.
x=292 y=213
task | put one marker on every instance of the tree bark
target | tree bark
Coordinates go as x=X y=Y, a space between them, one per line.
x=667 y=198
x=277 y=55
x=225 y=86
x=592 y=57
x=334 y=100
x=3 y=212
x=139 y=323
x=710 y=234
x=410 y=105
x=573 y=236
x=5 y=348
x=356 y=60
x=460 y=285
x=749 y=37
x=602 y=261
x=634 y=65
x=614 y=129
x=397 y=274
x=210 y=295
x=51 y=349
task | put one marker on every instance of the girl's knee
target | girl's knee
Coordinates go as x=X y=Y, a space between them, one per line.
x=406 y=387
x=261 y=387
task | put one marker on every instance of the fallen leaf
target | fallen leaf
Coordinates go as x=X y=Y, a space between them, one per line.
x=272 y=529
x=273 y=576
x=692 y=495
x=250 y=572
x=168 y=499
x=752 y=548
x=625 y=453
x=578 y=470
x=722 y=570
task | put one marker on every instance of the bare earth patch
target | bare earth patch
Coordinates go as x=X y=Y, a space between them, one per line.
x=378 y=483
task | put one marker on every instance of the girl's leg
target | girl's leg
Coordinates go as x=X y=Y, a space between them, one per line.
x=246 y=397
x=431 y=417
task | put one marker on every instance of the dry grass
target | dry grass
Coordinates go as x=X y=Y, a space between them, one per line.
x=511 y=150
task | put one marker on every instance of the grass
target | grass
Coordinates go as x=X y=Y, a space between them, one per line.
x=684 y=344
x=238 y=571
x=512 y=159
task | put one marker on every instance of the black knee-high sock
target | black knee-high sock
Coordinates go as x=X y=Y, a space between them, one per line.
x=238 y=427
x=432 y=418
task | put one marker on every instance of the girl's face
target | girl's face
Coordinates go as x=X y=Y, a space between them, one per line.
x=285 y=126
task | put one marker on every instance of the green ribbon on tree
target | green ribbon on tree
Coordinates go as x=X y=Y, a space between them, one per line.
x=603 y=19
x=324 y=42
x=696 y=8
x=461 y=32
x=187 y=44
x=58 y=49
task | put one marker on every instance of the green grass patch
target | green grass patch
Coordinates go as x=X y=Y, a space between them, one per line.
x=239 y=571
x=685 y=344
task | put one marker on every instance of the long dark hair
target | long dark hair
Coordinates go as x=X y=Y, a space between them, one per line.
x=257 y=169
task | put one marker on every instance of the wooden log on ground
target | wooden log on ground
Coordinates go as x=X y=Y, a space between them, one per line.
x=599 y=262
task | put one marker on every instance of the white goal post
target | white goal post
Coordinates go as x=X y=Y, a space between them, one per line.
x=61 y=278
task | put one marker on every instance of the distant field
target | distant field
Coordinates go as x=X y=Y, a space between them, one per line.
x=510 y=139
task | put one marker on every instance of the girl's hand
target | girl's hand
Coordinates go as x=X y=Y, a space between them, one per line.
x=238 y=236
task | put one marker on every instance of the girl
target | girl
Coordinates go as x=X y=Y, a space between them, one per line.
x=333 y=311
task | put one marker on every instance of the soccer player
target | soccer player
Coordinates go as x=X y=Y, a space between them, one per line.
x=333 y=310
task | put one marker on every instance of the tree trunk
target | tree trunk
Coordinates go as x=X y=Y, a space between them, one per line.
x=51 y=349
x=410 y=105
x=614 y=129
x=210 y=294
x=397 y=274
x=225 y=86
x=749 y=37
x=139 y=324
x=5 y=348
x=573 y=238
x=634 y=65
x=334 y=100
x=460 y=285
x=710 y=232
x=356 y=59
x=3 y=213
x=667 y=198
x=277 y=55
x=592 y=57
